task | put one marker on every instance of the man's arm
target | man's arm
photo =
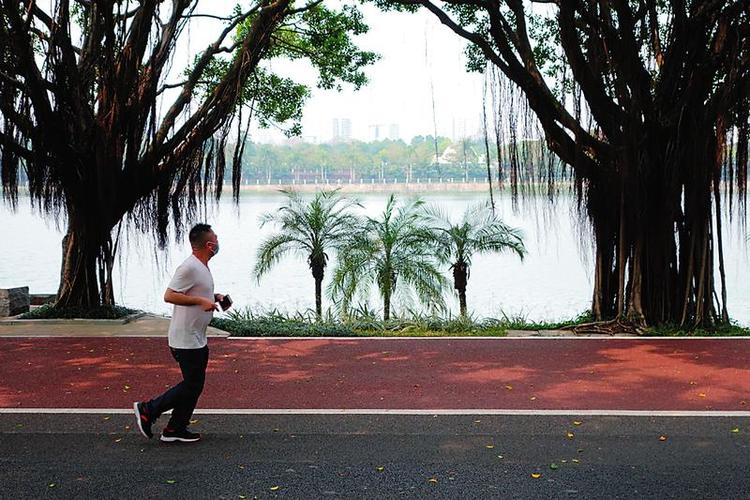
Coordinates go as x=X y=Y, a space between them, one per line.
x=182 y=299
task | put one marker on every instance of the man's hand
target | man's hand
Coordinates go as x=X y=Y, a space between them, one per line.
x=207 y=305
x=182 y=299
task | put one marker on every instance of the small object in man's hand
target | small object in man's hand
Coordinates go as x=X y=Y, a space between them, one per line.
x=225 y=303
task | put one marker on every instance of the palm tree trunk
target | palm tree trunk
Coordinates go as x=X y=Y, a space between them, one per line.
x=460 y=278
x=318 y=297
x=386 y=304
x=318 y=271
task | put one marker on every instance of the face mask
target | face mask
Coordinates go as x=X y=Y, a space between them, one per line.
x=216 y=248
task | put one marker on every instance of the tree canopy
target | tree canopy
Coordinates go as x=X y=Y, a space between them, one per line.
x=647 y=102
x=106 y=133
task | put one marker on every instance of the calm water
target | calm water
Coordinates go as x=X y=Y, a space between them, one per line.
x=553 y=282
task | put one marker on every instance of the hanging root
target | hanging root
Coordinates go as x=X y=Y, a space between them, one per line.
x=617 y=326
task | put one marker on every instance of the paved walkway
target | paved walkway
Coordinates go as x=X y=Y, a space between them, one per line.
x=146 y=326
x=523 y=374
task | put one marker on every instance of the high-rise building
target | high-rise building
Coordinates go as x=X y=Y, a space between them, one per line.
x=336 y=129
x=393 y=132
x=345 y=132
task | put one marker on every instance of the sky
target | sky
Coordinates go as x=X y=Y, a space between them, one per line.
x=415 y=49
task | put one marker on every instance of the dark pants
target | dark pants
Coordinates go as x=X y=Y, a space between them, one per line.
x=183 y=397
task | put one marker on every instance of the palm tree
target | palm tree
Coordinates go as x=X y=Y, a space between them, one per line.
x=311 y=228
x=394 y=252
x=479 y=231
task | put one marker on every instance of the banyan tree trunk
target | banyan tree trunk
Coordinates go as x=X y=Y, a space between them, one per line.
x=654 y=230
x=87 y=265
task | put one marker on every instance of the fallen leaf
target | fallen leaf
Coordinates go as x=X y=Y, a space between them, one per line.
x=532 y=398
x=500 y=456
x=242 y=497
x=126 y=387
x=194 y=421
x=171 y=481
x=509 y=387
x=577 y=422
x=489 y=446
x=575 y=460
x=564 y=461
x=274 y=488
x=536 y=475
x=569 y=435
x=106 y=418
x=701 y=394
x=553 y=466
x=432 y=480
x=380 y=468
x=477 y=421
x=242 y=466
x=662 y=438
x=118 y=440
x=51 y=485
x=736 y=430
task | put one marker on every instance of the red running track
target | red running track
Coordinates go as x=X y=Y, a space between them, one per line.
x=553 y=374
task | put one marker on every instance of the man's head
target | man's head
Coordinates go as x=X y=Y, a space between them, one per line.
x=204 y=241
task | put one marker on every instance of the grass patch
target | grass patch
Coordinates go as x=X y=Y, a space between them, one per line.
x=364 y=323
x=48 y=311
x=730 y=330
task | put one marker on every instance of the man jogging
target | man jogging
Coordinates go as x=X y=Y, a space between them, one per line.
x=191 y=290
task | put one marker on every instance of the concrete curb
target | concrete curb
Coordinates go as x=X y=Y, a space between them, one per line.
x=15 y=320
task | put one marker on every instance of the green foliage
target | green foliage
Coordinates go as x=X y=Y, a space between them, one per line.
x=48 y=311
x=394 y=253
x=722 y=330
x=319 y=35
x=309 y=227
x=479 y=231
x=273 y=323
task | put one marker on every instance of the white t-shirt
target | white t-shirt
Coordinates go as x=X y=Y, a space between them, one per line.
x=187 y=329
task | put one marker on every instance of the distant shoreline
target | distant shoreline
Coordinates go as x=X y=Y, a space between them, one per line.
x=368 y=187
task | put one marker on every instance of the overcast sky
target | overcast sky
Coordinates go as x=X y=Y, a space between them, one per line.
x=399 y=88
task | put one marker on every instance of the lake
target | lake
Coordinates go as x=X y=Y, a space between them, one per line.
x=553 y=282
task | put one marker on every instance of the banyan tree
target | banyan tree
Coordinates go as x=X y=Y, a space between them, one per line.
x=646 y=103
x=107 y=134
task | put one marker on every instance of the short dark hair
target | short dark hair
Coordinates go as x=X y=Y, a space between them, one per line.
x=199 y=235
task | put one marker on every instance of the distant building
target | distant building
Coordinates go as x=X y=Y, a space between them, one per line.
x=393 y=132
x=336 y=129
x=346 y=129
x=342 y=129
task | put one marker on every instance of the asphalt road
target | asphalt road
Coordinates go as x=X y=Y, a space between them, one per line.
x=384 y=456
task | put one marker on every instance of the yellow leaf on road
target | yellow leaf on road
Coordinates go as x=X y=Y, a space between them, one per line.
x=536 y=475
x=380 y=468
x=274 y=488
x=489 y=446
x=736 y=430
x=569 y=435
x=662 y=438
x=509 y=387
x=171 y=481
x=577 y=422
x=432 y=480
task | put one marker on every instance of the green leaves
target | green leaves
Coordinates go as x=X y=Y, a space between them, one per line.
x=393 y=252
